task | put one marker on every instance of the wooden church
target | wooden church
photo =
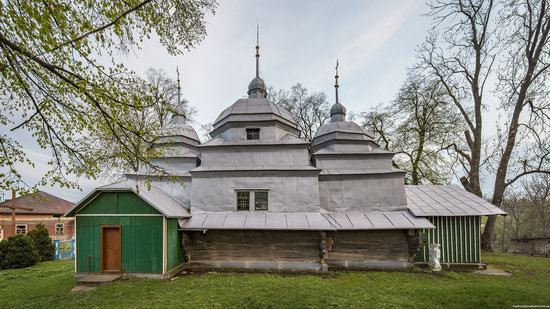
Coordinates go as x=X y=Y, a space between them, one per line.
x=259 y=196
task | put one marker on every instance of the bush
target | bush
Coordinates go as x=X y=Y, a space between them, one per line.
x=43 y=242
x=21 y=252
x=3 y=250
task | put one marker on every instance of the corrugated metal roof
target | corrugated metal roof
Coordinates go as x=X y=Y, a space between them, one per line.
x=304 y=221
x=376 y=220
x=431 y=200
x=155 y=197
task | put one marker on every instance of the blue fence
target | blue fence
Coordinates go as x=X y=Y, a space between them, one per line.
x=64 y=249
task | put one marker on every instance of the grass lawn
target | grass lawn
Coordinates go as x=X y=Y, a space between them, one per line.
x=48 y=285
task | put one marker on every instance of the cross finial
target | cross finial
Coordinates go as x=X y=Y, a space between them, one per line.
x=336 y=77
x=257 y=48
x=179 y=87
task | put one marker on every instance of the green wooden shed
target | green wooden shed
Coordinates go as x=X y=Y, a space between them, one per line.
x=456 y=215
x=126 y=230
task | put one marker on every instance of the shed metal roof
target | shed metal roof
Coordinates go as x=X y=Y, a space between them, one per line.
x=432 y=200
x=304 y=221
x=155 y=197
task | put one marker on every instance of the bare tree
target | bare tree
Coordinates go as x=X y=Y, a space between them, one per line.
x=537 y=190
x=310 y=110
x=461 y=52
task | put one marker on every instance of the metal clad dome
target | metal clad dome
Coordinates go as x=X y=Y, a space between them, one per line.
x=255 y=106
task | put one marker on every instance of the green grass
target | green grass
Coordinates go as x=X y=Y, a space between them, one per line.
x=48 y=285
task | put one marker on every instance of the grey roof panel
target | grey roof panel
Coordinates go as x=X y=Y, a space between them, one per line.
x=297 y=221
x=213 y=221
x=254 y=106
x=304 y=221
x=275 y=221
x=359 y=220
x=431 y=200
x=255 y=221
x=235 y=220
x=380 y=221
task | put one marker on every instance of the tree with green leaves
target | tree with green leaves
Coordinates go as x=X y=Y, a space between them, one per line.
x=160 y=94
x=61 y=78
x=417 y=125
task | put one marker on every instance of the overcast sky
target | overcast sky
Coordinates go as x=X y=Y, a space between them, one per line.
x=300 y=41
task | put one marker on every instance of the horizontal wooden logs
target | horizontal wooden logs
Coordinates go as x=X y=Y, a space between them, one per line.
x=250 y=249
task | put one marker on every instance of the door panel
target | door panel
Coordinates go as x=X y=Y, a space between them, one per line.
x=111 y=249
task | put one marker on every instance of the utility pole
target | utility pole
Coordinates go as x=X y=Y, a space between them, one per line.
x=13 y=207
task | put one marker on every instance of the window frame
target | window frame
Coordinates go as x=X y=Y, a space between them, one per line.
x=252 y=132
x=237 y=199
x=17 y=227
x=251 y=199
x=62 y=229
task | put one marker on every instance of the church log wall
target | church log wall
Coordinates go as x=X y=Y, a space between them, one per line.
x=301 y=250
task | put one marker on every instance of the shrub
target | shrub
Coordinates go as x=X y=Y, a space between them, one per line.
x=43 y=242
x=21 y=252
x=3 y=250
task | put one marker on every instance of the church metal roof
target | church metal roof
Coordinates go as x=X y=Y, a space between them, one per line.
x=254 y=106
x=447 y=201
x=304 y=221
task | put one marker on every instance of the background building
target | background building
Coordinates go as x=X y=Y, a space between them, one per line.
x=46 y=209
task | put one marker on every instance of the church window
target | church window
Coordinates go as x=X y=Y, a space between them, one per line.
x=253 y=200
x=252 y=134
x=243 y=200
x=260 y=200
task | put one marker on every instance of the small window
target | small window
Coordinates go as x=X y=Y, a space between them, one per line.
x=59 y=229
x=260 y=200
x=252 y=134
x=243 y=200
x=21 y=229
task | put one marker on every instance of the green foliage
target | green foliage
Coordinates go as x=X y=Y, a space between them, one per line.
x=3 y=251
x=48 y=284
x=62 y=79
x=420 y=125
x=43 y=242
x=20 y=252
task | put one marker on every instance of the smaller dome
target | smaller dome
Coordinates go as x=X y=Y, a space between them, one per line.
x=256 y=88
x=337 y=112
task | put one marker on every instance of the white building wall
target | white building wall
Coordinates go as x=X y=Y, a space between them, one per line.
x=286 y=193
x=368 y=193
x=244 y=156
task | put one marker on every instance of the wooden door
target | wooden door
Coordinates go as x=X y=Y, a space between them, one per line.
x=111 y=249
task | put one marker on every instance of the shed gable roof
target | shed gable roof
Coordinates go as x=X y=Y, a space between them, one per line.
x=446 y=201
x=155 y=197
